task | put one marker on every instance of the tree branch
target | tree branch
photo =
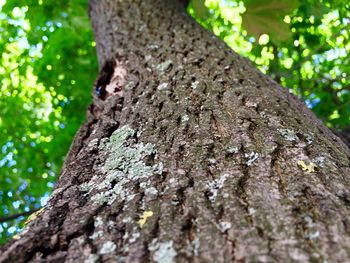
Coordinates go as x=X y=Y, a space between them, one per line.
x=14 y=216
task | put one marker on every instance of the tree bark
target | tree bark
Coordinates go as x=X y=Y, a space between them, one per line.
x=190 y=154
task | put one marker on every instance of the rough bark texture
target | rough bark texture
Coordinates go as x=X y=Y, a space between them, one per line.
x=190 y=154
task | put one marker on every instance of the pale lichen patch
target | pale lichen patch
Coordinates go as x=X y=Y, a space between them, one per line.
x=127 y=220
x=196 y=245
x=251 y=211
x=185 y=118
x=134 y=237
x=319 y=161
x=153 y=46
x=194 y=85
x=130 y=238
x=314 y=235
x=159 y=168
x=212 y=161
x=174 y=202
x=98 y=221
x=251 y=158
x=110 y=225
x=123 y=165
x=164 y=66
x=85 y=187
x=216 y=185
x=224 y=226
x=93 y=258
x=288 y=134
x=232 y=150
x=193 y=247
x=108 y=247
x=162 y=86
x=163 y=252
x=173 y=181
x=97 y=224
x=309 y=138
x=311 y=230
x=226 y=195
x=251 y=104
x=151 y=191
x=142 y=27
x=127 y=159
x=93 y=143
x=263 y=114
x=130 y=86
x=96 y=234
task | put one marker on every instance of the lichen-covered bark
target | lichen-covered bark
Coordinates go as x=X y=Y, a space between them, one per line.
x=190 y=154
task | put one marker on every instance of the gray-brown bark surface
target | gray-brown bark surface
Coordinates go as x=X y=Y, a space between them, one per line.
x=190 y=155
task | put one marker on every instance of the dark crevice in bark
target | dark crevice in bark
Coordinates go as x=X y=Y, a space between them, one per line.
x=276 y=157
x=241 y=188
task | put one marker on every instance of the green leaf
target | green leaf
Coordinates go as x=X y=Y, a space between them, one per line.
x=266 y=17
x=312 y=40
x=200 y=9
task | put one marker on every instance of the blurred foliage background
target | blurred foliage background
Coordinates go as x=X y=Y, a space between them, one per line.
x=48 y=65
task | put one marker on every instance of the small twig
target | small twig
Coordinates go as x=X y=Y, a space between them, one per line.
x=14 y=216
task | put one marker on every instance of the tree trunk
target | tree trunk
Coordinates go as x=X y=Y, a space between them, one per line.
x=190 y=154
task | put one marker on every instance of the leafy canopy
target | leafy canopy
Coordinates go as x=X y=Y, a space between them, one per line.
x=47 y=66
